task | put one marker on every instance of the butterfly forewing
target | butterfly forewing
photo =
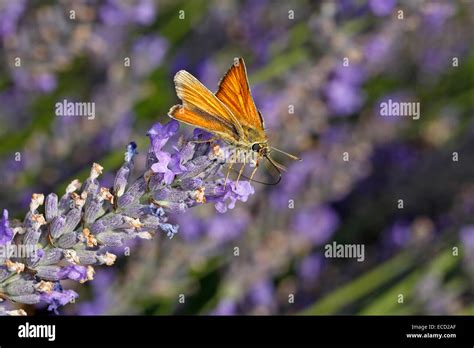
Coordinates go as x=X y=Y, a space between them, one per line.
x=234 y=92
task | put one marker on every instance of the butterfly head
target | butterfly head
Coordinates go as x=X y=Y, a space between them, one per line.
x=261 y=148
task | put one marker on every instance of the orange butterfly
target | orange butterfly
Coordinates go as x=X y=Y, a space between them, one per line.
x=230 y=114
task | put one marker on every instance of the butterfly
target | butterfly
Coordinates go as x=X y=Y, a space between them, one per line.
x=230 y=114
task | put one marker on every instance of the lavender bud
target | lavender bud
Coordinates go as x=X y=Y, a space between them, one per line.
x=187 y=153
x=72 y=220
x=86 y=257
x=48 y=272
x=112 y=239
x=121 y=180
x=37 y=199
x=170 y=195
x=107 y=223
x=57 y=226
x=68 y=240
x=92 y=187
x=131 y=152
x=51 y=207
x=51 y=256
x=20 y=287
x=136 y=210
x=92 y=210
x=66 y=201
x=3 y=274
x=125 y=200
x=138 y=188
x=27 y=299
x=173 y=207
x=190 y=184
x=32 y=236
x=151 y=222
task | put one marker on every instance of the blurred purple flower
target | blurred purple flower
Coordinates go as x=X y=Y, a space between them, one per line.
x=101 y=296
x=225 y=307
x=399 y=234
x=6 y=233
x=10 y=13
x=316 y=224
x=343 y=91
x=377 y=49
x=208 y=73
x=467 y=239
x=310 y=267
x=194 y=226
x=148 y=53
x=296 y=178
x=261 y=293
x=45 y=82
x=120 y=12
x=224 y=228
x=435 y=14
x=382 y=7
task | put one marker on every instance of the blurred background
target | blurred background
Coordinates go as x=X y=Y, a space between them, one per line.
x=319 y=71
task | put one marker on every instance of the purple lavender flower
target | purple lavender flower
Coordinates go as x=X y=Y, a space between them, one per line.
x=399 y=234
x=435 y=14
x=233 y=193
x=382 y=8
x=159 y=134
x=343 y=91
x=119 y=12
x=148 y=53
x=73 y=272
x=45 y=82
x=101 y=297
x=83 y=225
x=377 y=49
x=310 y=267
x=261 y=293
x=467 y=239
x=316 y=224
x=224 y=228
x=225 y=307
x=58 y=297
x=10 y=13
x=6 y=233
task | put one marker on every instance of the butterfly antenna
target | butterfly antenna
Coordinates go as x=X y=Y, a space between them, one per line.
x=286 y=153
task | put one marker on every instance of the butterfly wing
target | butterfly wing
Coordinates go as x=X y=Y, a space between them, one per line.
x=201 y=108
x=198 y=118
x=234 y=92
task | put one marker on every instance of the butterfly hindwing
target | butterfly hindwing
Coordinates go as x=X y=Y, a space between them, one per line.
x=198 y=118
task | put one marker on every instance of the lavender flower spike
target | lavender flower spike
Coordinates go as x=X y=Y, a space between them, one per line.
x=73 y=235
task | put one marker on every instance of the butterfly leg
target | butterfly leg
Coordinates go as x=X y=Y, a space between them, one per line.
x=227 y=175
x=255 y=170
x=240 y=172
x=203 y=141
